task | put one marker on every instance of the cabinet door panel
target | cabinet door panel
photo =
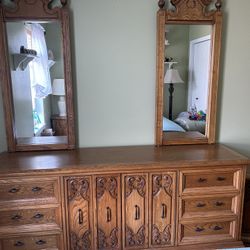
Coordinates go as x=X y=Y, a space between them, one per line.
x=135 y=211
x=107 y=207
x=79 y=207
x=162 y=209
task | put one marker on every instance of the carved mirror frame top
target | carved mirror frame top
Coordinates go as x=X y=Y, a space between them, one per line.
x=35 y=10
x=189 y=12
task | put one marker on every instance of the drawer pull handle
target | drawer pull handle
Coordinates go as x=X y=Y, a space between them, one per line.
x=217 y=228
x=164 y=211
x=202 y=180
x=38 y=216
x=221 y=178
x=219 y=203
x=109 y=214
x=19 y=244
x=199 y=229
x=80 y=216
x=36 y=189
x=137 y=212
x=201 y=205
x=41 y=242
x=16 y=217
x=14 y=190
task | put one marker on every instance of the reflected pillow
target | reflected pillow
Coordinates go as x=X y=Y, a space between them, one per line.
x=171 y=126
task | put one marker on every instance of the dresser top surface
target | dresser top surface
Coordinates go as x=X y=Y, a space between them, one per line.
x=91 y=159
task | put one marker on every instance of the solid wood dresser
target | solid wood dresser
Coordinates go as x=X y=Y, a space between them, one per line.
x=183 y=197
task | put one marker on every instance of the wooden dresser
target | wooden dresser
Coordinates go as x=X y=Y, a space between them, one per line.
x=183 y=197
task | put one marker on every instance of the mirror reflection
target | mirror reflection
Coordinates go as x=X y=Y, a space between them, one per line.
x=186 y=81
x=38 y=87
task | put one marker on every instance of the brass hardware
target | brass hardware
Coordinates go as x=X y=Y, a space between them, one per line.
x=164 y=211
x=80 y=216
x=137 y=212
x=14 y=190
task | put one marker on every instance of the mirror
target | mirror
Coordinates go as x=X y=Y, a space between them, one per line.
x=187 y=72
x=37 y=90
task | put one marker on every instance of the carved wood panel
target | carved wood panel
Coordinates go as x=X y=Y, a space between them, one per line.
x=135 y=211
x=79 y=207
x=191 y=10
x=162 y=208
x=108 y=209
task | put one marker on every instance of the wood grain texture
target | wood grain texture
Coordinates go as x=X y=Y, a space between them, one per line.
x=35 y=10
x=120 y=159
x=107 y=203
x=162 y=209
x=79 y=208
x=135 y=211
x=189 y=12
x=125 y=198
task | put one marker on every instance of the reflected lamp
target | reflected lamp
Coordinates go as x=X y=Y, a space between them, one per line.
x=172 y=77
x=58 y=89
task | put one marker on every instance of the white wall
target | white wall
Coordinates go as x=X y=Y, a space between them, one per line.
x=114 y=47
x=115 y=58
x=234 y=95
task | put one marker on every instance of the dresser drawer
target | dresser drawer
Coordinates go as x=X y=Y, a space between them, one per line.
x=32 y=243
x=42 y=190
x=207 y=205
x=207 y=179
x=29 y=216
x=206 y=232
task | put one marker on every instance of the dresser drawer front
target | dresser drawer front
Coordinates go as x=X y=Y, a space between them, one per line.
x=29 y=216
x=206 y=232
x=29 y=189
x=207 y=205
x=32 y=243
x=205 y=179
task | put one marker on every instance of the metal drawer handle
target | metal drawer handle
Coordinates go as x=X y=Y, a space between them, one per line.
x=36 y=189
x=109 y=214
x=137 y=212
x=220 y=178
x=41 y=242
x=164 y=211
x=16 y=217
x=38 y=216
x=14 y=190
x=80 y=216
x=219 y=203
x=19 y=244
x=201 y=205
x=217 y=228
x=199 y=229
x=201 y=180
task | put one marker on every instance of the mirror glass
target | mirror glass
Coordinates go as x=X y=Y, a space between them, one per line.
x=186 y=81
x=38 y=86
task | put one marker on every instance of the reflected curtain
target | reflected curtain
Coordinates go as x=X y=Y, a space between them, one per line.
x=40 y=77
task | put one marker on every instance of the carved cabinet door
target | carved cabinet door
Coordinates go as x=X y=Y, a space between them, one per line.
x=135 y=211
x=107 y=205
x=162 y=209
x=79 y=209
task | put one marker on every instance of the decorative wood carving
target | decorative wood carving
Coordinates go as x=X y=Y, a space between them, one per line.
x=192 y=9
x=136 y=182
x=108 y=242
x=137 y=239
x=26 y=9
x=161 y=4
x=109 y=184
x=78 y=187
x=165 y=182
x=159 y=238
x=82 y=243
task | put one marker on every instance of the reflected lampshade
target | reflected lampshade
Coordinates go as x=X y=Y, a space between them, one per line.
x=172 y=76
x=58 y=87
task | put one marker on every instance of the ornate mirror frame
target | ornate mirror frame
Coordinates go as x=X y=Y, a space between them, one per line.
x=189 y=12
x=35 y=10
